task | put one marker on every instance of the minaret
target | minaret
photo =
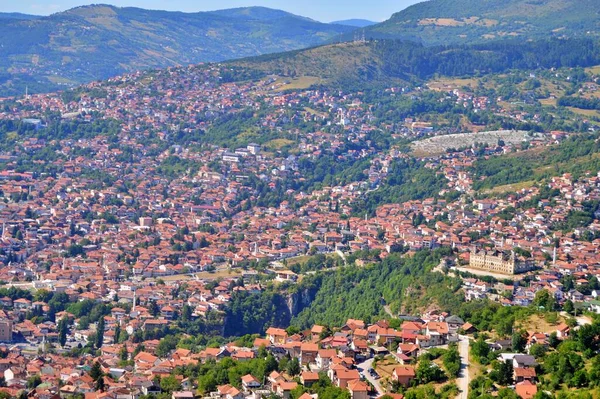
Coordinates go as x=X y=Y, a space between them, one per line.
x=134 y=300
x=554 y=256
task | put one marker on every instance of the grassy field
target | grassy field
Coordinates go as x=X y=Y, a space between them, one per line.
x=303 y=82
x=451 y=84
x=509 y=188
x=386 y=367
x=535 y=323
x=278 y=144
x=585 y=112
x=315 y=112
x=593 y=70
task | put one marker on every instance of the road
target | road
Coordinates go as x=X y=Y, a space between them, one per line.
x=365 y=366
x=581 y=320
x=388 y=311
x=463 y=378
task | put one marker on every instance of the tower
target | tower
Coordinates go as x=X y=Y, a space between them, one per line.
x=134 y=300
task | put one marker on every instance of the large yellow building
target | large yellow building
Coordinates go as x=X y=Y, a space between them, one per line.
x=497 y=262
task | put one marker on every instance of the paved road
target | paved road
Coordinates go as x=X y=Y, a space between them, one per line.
x=463 y=378
x=365 y=366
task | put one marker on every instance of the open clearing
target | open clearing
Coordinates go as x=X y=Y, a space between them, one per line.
x=302 y=82
x=510 y=188
x=538 y=324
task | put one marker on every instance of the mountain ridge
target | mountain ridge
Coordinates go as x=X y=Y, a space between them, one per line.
x=356 y=22
x=438 y=22
x=99 y=41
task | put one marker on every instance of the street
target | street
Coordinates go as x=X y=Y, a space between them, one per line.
x=463 y=378
x=365 y=366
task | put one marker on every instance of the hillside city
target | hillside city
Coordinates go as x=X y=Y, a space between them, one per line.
x=243 y=230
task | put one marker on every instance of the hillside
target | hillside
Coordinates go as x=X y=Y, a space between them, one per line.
x=355 y=64
x=467 y=21
x=17 y=15
x=95 y=42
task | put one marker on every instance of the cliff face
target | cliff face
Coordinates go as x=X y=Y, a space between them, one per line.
x=297 y=301
x=254 y=313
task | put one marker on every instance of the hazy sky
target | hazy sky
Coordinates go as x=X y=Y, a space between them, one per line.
x=321 y=10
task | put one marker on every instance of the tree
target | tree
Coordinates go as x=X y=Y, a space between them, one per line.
x=553 y=340
x=518 y=342
x=480 y=350
x=100 y=384
x=96 y=371
x=544 y=299
x=170 y=384
x=186 y=312
x=270 y=364
x=537 y=350
x=502 y=373
x=452 y=360
x=293 y=367
x=123 y=354
x=34 y=381
x=117 y=333
x=569 y=307
x=428 y=372
x=100 y=333
x=62 y=331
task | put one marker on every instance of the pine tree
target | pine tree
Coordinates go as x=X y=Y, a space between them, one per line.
x=100 y=333
x=96 y=371
x=62 y=331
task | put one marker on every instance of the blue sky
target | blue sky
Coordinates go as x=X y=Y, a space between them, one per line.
x=322 y=10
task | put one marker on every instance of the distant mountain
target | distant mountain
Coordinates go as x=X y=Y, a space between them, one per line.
x=255 y=13
x=469 y=21
x=17 y=15
x=99 y=41
x=357 y=23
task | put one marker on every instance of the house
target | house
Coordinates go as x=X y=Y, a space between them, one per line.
x=454 y=323
x=342 y=376
x=316 y=331
x=404 y=375
x=284 y=389
x=308 y=352
x=563 y=331
x=437 y=332
x=229 y=392
x=276 y=335
x=182 y=395
x=524 y=374
x=524 y=361
x=468 y=328
x=325 y=358
x=249 y=382
x=526 y=390
x=411 y=351
x=307 y=378
x=358 y=389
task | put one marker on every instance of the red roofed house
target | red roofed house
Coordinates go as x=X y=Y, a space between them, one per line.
x=404 y=375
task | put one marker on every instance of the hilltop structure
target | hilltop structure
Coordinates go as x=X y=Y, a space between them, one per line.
x=498 y=262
